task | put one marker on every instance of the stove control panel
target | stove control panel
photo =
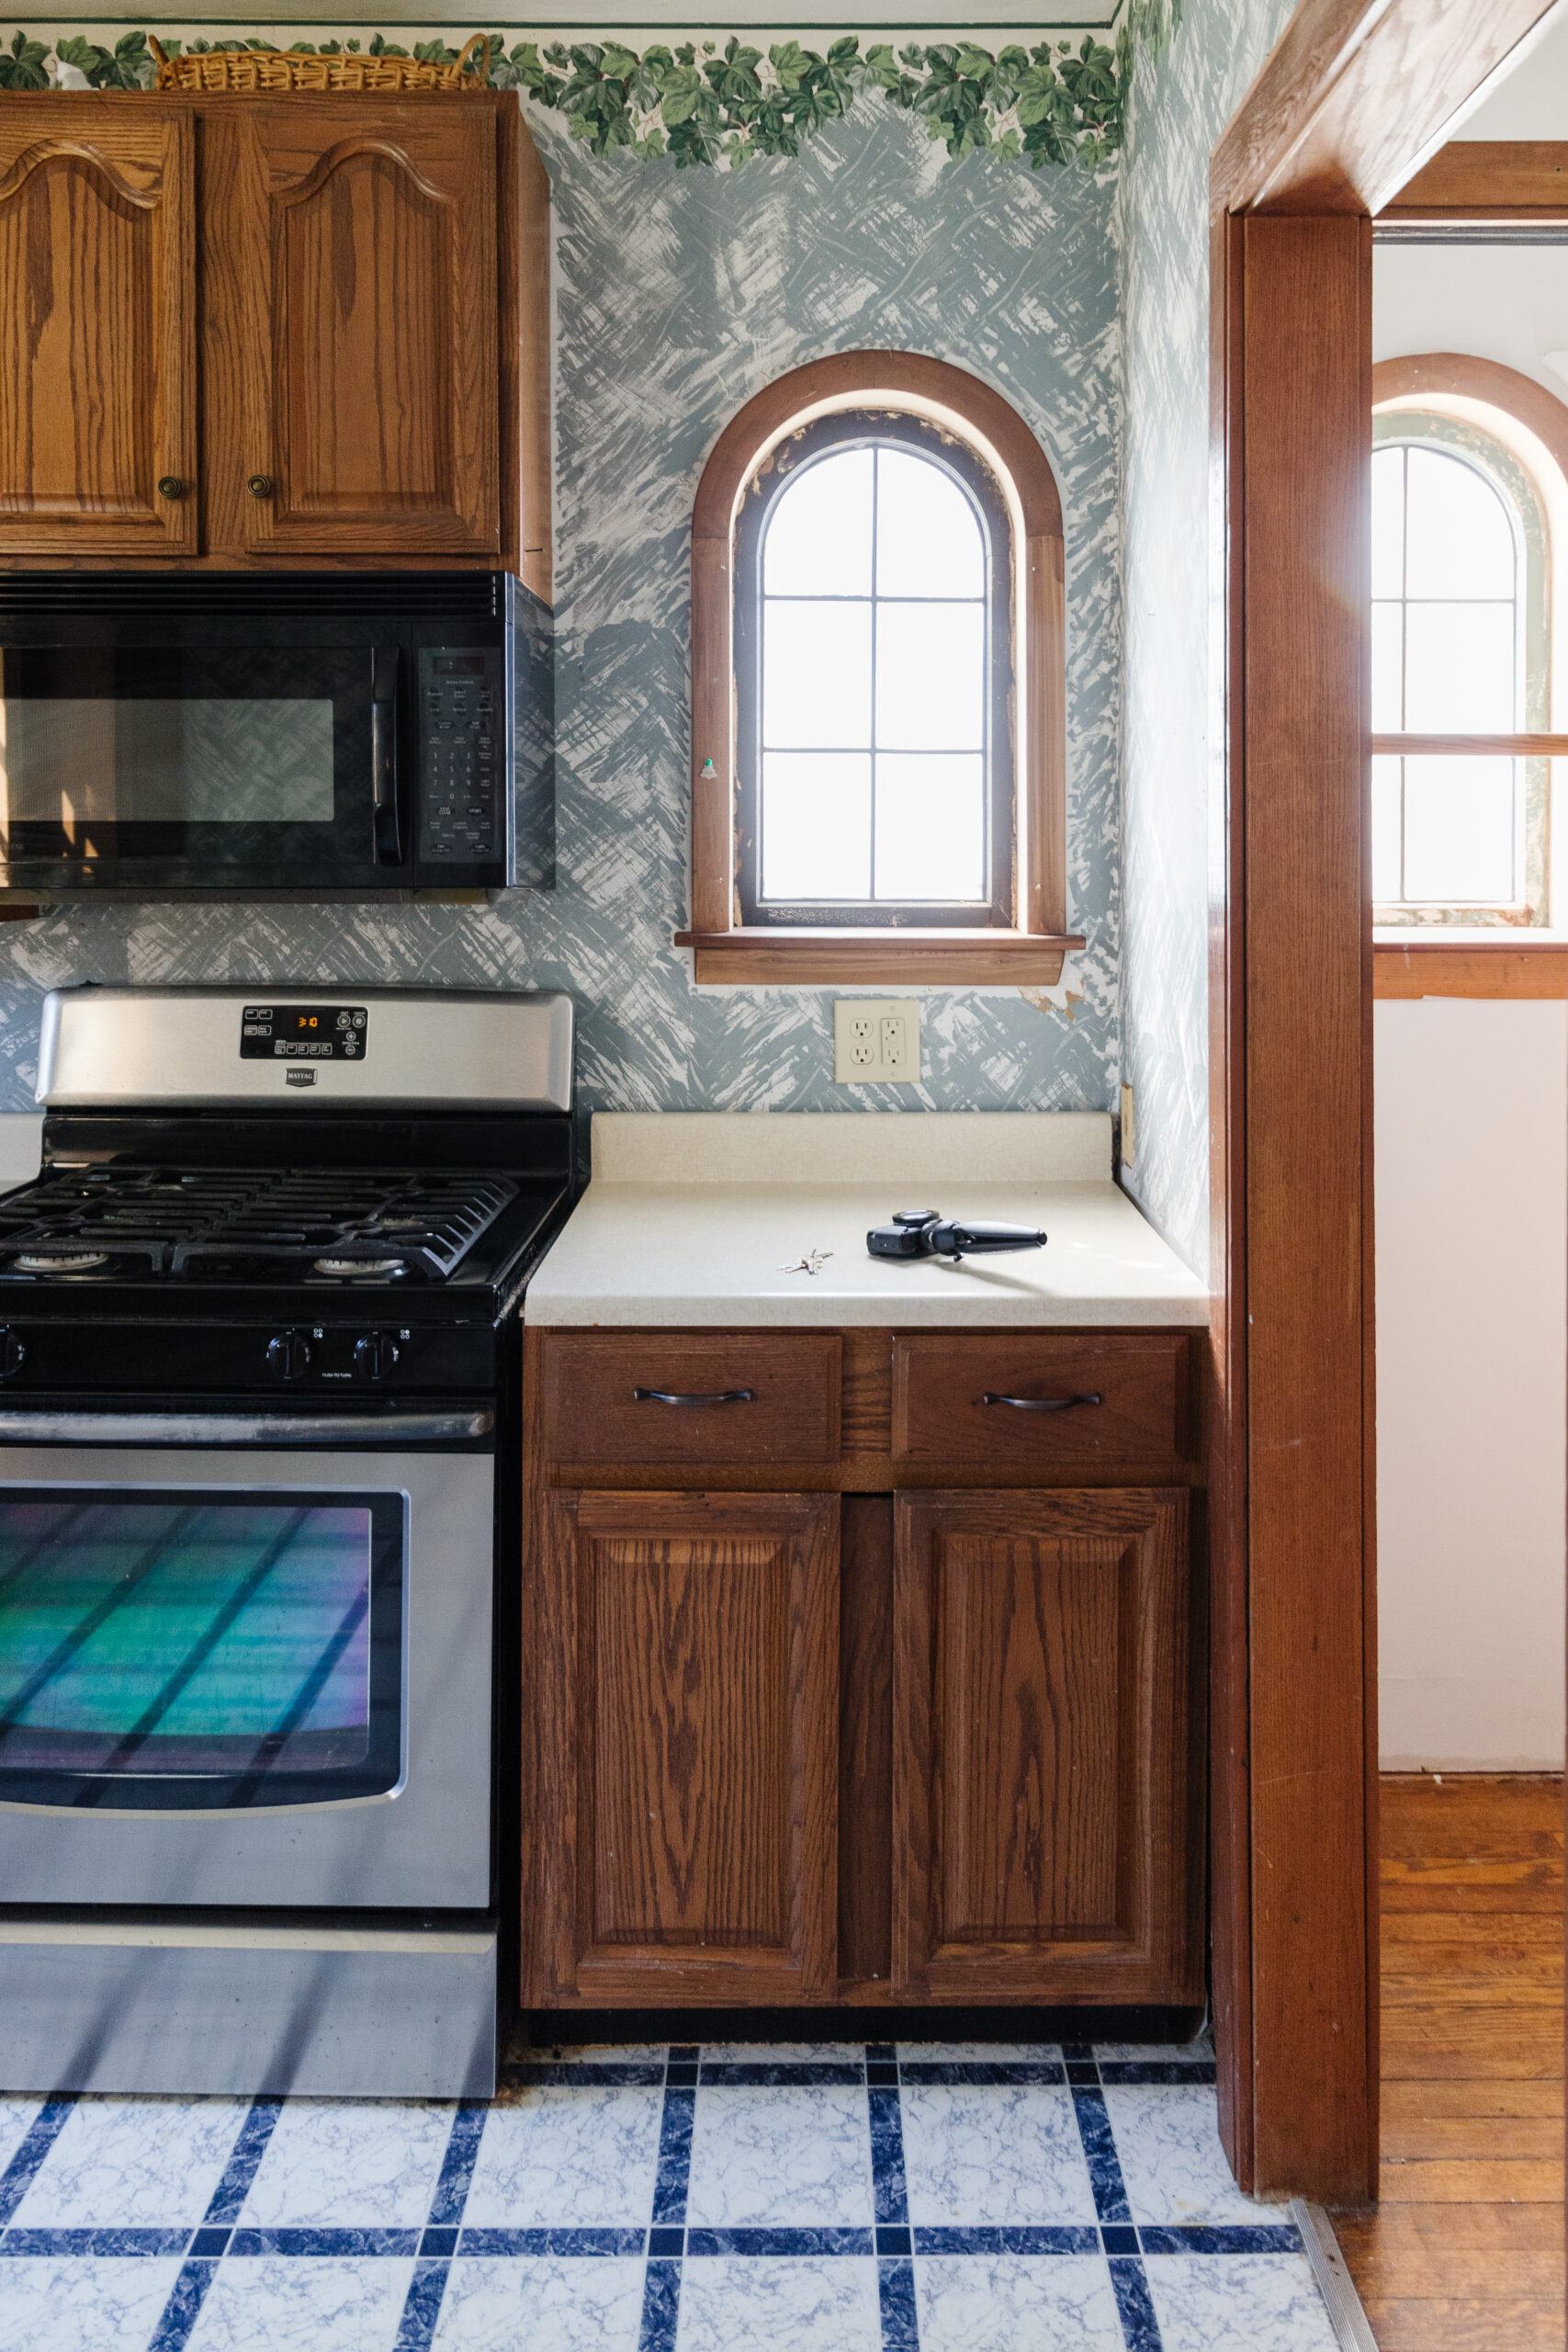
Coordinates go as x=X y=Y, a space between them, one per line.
x=304 y=1032
x=67 y=1355
x=462 y=717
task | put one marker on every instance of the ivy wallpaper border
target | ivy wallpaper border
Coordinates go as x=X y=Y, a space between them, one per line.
x=708 y=103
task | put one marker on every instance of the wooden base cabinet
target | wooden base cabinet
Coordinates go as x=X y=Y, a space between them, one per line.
x=1040 y=1747
x=687 y=1733
x=833 y=1726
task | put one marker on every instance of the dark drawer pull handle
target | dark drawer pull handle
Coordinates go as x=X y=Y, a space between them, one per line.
x=1041 y=1403
x=664 y=1396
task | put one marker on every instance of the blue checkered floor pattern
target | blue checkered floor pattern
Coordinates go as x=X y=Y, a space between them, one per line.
x=836 y=2197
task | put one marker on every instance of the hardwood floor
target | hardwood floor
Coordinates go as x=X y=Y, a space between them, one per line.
x=1465 y=2253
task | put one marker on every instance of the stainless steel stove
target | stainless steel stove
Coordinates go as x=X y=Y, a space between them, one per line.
x=258 y=1395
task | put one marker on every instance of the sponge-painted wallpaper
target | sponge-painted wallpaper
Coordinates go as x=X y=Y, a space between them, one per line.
x=1182 y=95
x=679 y=295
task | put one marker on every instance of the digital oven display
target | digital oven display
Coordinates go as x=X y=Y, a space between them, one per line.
x=303 y=1032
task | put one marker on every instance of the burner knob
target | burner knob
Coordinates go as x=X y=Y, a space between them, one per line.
x=12 y=1352
x=289 y=1356
x=375 y=1355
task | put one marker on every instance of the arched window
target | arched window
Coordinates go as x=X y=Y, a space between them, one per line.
x=878 y=692
x=1461 y=644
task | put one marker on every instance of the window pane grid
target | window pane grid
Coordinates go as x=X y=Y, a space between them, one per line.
x=914 y=847
x=1449 y=827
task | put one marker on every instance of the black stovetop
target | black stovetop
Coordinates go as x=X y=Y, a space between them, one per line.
x=247 y=1225
x=219 y=1252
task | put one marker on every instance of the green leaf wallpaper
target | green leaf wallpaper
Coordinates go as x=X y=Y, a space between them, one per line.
x=704 y=102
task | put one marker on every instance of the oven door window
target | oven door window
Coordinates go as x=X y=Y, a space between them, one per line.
x=174 y=1649
x=221 y=764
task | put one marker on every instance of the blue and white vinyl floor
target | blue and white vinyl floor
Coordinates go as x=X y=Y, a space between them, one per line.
x=851 y=2198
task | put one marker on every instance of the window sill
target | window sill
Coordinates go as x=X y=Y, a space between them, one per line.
x=1515 y=967
x=772 y=957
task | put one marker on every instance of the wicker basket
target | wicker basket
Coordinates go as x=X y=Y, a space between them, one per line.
x=260 y=71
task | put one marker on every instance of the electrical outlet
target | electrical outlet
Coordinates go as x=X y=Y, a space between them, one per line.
x=876 y=1041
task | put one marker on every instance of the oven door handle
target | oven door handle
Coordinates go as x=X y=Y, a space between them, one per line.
x=19 y=1426
x=384 y=755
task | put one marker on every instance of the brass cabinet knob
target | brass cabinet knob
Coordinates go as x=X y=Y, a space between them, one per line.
x=260 y=485
x=171 y=486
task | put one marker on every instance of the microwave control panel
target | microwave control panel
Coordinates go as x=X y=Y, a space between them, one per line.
x=462 y=725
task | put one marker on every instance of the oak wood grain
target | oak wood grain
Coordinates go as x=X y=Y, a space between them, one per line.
x=97 y=330
x=687 y=1701
x=791 y=1412
x=522 y=280
x=367 y=327
x=1465 y=2249
x=940 y=1384
x=1353 y=97
x=763 y=954
x=866 y=1742
x=1303 y=403
x=1487 y=179
x=1223 y=1362
x=1508 y=973
x=1042 y=1813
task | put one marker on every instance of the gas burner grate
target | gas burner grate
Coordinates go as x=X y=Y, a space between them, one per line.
x=167 y=1221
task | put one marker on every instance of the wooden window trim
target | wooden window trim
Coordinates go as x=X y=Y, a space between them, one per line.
x=1434 y=375
x=1487 y=179
x=726 y=952
x=1513 y=970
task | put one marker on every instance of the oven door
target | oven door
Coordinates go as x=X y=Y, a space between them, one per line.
x=246 y=1677
x=208 y=768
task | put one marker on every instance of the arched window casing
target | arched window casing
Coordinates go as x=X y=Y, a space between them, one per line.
x=1467 y=468
x=878 y=724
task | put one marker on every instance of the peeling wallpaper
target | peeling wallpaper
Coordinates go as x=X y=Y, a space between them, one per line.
x=1182 y=97
x=679 y=295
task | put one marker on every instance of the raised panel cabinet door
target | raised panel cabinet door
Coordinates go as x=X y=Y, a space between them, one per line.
x=360 y=237
x=97 y=328
x=1044 y=1793
x=686 y=1715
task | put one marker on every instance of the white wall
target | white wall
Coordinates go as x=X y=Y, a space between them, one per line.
x=1472 y=1168
x=1471 y=1185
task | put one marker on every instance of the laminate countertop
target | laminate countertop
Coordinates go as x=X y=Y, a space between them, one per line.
x=748 y=1218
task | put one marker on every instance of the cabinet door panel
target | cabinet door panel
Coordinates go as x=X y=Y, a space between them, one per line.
x=98 y=323
x=687 y=1746
x=1042 y=1773
x=367 y=350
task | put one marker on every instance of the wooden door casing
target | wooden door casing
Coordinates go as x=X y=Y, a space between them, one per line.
x=685 y=1691
x=1043 y=1807
x=97 y=329
x=356 y=257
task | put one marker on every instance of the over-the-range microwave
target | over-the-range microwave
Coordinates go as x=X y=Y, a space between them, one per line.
x=274 y=736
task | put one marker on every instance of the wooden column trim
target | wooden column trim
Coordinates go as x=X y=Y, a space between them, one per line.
x=1304 y=414
x=1355 y=95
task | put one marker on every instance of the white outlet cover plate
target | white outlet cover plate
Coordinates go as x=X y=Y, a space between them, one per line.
x=858 y=1053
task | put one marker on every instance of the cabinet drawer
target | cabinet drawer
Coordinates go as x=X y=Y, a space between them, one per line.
x=1028 y=1400
x=727 y=1397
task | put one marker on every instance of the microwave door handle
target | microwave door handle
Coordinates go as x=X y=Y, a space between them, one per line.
x=384 y=757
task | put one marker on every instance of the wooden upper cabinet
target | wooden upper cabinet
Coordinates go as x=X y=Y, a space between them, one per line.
x=302 y=333
x=1044 y=1812
x=97 y=328
x=358 y=244
x=683 y=1691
